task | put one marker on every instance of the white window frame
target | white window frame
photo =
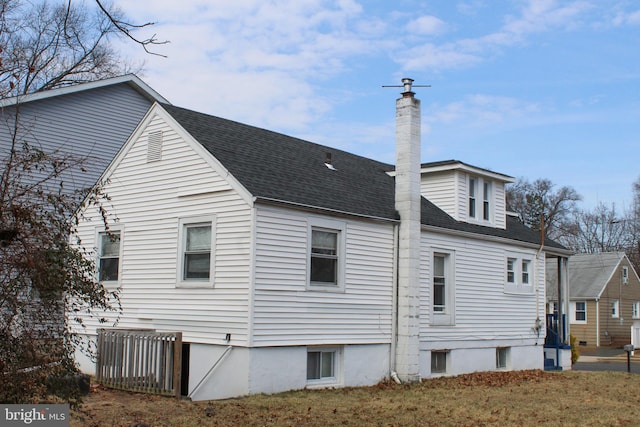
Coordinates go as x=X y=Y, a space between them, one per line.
x=525 y=271
x=511 y=270
x=447 y=315
x=472 y=205
x=183 y=224
x=340 y=228
x=480 y=200
x=100 y=232
x=625 y=275
x=615 y=309
x=486 y=200
x=575 y=311
x=635 y=310
x=333 y=380
x=514 y=274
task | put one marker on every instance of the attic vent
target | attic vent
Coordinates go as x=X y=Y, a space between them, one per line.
x=327 y=162
x=154 y=147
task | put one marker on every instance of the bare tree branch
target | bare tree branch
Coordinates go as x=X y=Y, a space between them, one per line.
x=126 y=27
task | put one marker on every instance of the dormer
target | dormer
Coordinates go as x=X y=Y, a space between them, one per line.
x=467 y=193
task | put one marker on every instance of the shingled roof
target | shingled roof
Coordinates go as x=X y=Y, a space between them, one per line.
x=588 y=274
x=278 y=168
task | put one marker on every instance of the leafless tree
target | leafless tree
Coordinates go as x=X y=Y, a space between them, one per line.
x=46 y=44
x=43 y=272
x=599 y=230
x=540 y=205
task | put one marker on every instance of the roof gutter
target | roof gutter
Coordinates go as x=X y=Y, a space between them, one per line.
x=497 y=239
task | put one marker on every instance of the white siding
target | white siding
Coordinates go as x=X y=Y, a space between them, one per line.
x=500 y=207
x=484 y=311
x=441 y=189
x=449 y=190
x=286 y=313
x=150 y=199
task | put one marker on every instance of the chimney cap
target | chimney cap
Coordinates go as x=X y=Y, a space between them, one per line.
x=407 y=82
x=407 y=85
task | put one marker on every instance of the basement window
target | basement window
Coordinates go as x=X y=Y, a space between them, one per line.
x=322 y=365
x=439 y=361
x=502 y=357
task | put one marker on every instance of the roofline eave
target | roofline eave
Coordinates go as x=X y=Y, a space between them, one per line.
x=320 y=209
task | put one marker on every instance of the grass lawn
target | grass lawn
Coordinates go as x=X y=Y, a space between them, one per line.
x=524 y=398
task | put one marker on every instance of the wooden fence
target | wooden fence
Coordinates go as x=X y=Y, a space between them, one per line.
x=140 y=360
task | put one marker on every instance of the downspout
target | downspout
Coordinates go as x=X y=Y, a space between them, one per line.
x=597 y=322
x=394 y=308
x=540 y=249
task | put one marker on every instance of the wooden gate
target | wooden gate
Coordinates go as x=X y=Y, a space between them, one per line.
x=140 y=360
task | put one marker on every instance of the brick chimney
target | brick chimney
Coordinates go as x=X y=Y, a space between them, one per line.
x=407 y=202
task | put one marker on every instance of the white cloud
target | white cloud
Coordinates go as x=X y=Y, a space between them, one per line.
x=258 y=61
x=470 y=7
x=534 y=17
x=545 y=15
x=627 y=18
x=480 y=110
x=426 y=25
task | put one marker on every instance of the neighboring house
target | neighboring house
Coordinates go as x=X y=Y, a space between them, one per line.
x=286 y=264
x=604 y=298
x=89 y=121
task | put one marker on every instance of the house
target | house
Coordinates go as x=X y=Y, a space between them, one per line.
x=604 y=303
x=287 y=264
x=89 y=121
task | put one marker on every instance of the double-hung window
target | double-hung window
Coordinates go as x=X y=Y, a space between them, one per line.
x=581 y=311
x=109 y=256
x=526 y=265
x=480 y=199
x=326 y=255
x=443 y=288
x=511 y=270
x=472 y=197
x=635 y=310
x=486 y=201
x=439 y=284
x=195 y=265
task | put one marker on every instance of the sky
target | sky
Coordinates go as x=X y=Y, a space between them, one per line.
x=528 y=88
